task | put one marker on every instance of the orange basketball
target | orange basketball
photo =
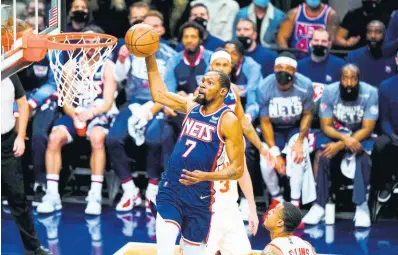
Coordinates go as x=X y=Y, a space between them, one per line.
x=141 y=40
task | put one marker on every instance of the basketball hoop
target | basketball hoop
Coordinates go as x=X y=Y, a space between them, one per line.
x=74 y=82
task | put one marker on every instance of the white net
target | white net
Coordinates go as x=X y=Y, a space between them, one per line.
x=74 y=68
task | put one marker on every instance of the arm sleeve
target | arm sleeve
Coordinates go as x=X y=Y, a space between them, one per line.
x=19 y=91
x=170 y=76
x=384 y=112
x=372 y=107
x=390 y=45
x=326 y=109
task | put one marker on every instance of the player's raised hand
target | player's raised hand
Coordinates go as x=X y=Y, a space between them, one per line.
x=189 y=178
x=253 y=222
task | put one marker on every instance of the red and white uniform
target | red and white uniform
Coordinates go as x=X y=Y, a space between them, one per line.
x=292 y=245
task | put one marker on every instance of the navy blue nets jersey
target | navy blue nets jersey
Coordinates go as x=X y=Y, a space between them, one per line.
x=198 y=146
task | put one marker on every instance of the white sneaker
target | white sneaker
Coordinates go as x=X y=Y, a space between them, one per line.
x=244 y=209
x=315 y=215
x=94 y=205
x=129 y=201
x=51 y=203
x=150 y=195
x=362 y=216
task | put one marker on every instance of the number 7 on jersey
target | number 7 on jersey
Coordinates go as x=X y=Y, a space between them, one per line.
x=191 y=145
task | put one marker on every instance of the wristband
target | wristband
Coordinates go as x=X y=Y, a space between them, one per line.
x=275 y=151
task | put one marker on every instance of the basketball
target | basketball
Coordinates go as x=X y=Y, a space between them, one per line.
x=141 y=40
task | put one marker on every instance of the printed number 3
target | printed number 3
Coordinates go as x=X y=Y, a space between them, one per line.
x=226 y=186
x=191 y=144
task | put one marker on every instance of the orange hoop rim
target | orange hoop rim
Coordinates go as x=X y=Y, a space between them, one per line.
x=56 y=41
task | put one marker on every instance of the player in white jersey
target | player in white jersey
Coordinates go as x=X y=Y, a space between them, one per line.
x=281 y=222
x=227 y=233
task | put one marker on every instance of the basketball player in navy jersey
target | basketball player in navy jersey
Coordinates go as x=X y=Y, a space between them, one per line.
x=185 y=197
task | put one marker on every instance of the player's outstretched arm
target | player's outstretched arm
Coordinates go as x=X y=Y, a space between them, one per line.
x=159 y=91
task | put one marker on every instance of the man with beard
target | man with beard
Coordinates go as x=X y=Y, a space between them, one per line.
x=349 y=110
x=374 y=67
x=303 y=20
x=246 y=34
x=133 y=69
x=200 y=15
x=245 y=74
x=352 y=31
x=286 y=107
x=281 y=222
x=89 y=119
x=186 y=192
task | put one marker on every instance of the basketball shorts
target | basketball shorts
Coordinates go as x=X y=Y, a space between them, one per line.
x=102 y=120
x=282 y=136
x=191 y=215
x=228 y=234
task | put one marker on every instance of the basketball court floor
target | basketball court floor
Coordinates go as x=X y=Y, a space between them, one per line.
x=71 y=232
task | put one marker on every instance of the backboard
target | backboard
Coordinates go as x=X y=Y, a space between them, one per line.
x=42 y=16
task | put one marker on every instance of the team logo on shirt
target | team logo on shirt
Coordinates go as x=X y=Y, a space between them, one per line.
x=285 y=107
x=388 y=69
x=349 y=114
x=374 y=109
x=199 y=130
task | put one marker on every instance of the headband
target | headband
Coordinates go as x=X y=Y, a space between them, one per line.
x=286 y=61
x=220 y=54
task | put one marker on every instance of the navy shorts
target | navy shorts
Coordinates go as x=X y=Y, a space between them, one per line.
x=102 y=120
x=191 y=215
x=282 y=136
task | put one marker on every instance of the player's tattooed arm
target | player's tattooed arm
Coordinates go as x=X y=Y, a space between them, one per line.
x=159 y=91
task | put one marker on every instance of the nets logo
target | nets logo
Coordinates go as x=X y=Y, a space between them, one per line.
x=199 y=130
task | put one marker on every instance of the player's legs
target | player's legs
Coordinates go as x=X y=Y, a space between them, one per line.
x=42 y=122
x=235 y=240
x=166 y=235
x=119 y=159
x=97 y=165
x=62 y=133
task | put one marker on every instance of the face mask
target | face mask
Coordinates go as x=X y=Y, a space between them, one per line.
x=261 y=3
x=283 y=78
x=319 y=50
x=135 y=22
x=369 y=6
x=201 y=21
x=313 y=3
x=349 y=94
x=246 y=41
x=79 y=16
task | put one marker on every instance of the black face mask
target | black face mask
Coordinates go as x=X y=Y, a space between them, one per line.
x=370 y=7
x=79 y=16
x=283 y=78
x=320 y=51
x=349 y=94
x=246 y=41
x=201 y=21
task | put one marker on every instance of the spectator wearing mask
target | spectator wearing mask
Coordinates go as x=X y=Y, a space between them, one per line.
x=374 y=67
x=220 y=11
x=386 y=146
x=245 y=74
x=12 y=148
x=267 y=19
x=321 y=67
x=200 y=15
x=39 y=82
x=78 y=15
x=286 y=106
x=133 y=69
x=349 y=110
x=246 y=34
x=301 y=22
x=136 y=16
x=352 y=31
x=390 y=45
